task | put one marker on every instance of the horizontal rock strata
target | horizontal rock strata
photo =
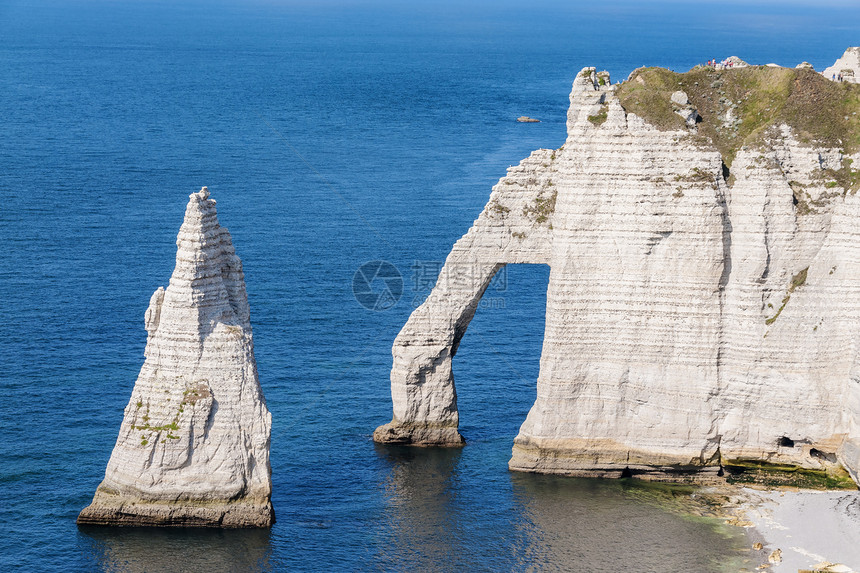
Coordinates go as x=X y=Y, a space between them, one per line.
x=193 y=448
x=513 y=228
x=701 y=309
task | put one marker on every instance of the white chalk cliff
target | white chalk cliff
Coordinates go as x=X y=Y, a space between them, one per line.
x=702 y=307
x=193 y=448
x=848 y=65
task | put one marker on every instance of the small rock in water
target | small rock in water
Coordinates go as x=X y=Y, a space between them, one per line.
x=527 y=119
x=757 y=546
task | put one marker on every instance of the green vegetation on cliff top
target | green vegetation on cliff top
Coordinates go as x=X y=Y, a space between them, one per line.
x=757 y=99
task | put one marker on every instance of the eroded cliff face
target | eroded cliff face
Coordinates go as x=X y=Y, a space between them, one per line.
x=193 y=448
x=701 y=311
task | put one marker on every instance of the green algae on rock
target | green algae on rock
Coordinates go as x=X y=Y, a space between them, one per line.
x=757 y=472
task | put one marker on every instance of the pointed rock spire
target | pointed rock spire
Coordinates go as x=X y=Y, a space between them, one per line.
x=193 y=448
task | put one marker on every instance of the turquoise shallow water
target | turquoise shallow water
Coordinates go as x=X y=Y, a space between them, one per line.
x=331 y=134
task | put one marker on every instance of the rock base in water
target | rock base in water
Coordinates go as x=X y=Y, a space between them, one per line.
x=608 y=459
x=417 y=435
x=119 y=511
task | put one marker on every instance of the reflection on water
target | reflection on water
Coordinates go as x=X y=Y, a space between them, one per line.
x=143 y=549
x=546 y=523
x=423 y=516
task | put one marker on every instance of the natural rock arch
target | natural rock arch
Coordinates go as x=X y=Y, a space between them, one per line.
x=670 y=345
x=515 y=227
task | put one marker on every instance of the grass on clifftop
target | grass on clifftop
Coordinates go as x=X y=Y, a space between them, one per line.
x=759 y=98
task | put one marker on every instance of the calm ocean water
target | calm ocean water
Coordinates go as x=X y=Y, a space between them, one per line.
x=331 y=134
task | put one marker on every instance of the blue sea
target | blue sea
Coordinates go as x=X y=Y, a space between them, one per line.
x=331 y=133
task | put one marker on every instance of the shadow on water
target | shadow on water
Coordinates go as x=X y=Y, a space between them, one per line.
x=147 y=549
x=618 y=525
x=422 y=515
x=543 y=522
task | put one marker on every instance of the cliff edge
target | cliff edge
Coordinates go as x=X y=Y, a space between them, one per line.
x=193 y=448
x=702 y=312
x=848 y=66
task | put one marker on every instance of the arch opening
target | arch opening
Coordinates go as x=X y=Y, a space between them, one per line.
x=497 y=364
x=423 y=389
